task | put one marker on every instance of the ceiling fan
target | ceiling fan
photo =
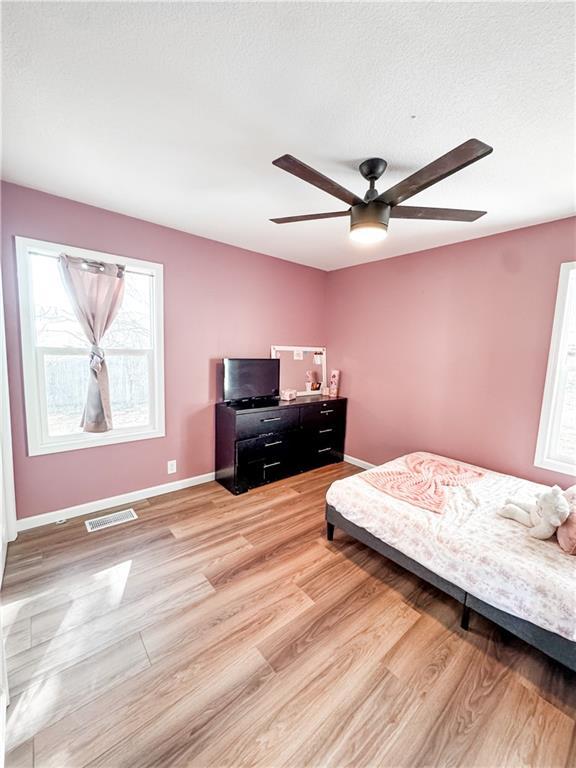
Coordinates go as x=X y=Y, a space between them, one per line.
x=369 y=215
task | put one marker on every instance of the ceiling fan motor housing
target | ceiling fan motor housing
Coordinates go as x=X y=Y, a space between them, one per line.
x=372 y=168
x=369 y=214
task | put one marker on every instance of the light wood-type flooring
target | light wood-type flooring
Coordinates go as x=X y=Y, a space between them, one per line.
x=220 y=631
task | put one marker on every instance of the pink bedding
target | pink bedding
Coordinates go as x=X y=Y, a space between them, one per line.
x=424 y=481
x=470 y=544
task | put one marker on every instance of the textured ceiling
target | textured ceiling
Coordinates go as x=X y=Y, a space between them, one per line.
x=173 y=112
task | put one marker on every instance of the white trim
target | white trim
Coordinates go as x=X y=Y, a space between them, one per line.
x=40 y=443
x=358 y=462
x=90 y=507
x=112 y=501
x=8 y=501
x=546 y=430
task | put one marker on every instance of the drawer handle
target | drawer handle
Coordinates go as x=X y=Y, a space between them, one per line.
x=276 y=418
x=323 y=450
x=322 y=431
x=330 y=411
x=274 y=464
x=269 y=445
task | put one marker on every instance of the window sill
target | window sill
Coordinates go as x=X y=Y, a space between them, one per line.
x=563 y=467
x=87 y=440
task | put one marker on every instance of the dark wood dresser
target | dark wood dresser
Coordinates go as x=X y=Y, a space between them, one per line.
x=261 y=443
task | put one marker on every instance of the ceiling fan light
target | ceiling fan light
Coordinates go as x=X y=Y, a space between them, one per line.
x=368 y=234
x=369 y=222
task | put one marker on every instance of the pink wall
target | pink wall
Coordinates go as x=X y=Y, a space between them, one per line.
x=219 y=300
x=442 y=350
x=446 y=350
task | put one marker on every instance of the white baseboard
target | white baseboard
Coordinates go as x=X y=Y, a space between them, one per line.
x=358 y=462
x=129 y=498
x=113 y=501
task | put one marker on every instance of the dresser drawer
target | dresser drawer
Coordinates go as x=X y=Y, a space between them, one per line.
x=266 y=422
x=325 y=431
x=325 y=449
x=324 y=414
x=277 y=444
x=318 y=454
x=257 y=473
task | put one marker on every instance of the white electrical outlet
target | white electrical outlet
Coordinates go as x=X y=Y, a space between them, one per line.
x=172 y=467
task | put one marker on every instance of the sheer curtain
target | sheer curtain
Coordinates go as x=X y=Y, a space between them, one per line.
x=96 y=291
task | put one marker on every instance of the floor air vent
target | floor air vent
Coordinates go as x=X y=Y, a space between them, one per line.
x=115 y=518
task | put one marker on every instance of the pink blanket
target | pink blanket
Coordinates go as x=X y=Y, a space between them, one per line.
x=424 y=481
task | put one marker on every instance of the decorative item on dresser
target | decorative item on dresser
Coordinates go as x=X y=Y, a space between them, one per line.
x=334 y=385
x=301 y=368
x=259 y=442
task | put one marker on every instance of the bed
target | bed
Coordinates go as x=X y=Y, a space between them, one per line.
x=488 y=563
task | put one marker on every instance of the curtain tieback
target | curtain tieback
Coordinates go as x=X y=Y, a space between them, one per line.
x=96 y=357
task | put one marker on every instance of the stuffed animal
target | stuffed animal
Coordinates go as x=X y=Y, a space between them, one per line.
x=544 y=516
x=566 y=533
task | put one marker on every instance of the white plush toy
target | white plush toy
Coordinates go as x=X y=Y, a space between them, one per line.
x=543 y=517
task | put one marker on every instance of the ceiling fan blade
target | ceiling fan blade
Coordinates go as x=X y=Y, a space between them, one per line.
x=310 y=217
x=437 y=214
x=306 y=173
x=439 y=169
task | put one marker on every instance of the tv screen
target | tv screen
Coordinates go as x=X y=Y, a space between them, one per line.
x=250 y=377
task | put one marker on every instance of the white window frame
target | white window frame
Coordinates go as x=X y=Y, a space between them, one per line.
x=550 y=414
x=39 y=442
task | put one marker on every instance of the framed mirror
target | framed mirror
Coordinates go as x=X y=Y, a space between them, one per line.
x=301 y=368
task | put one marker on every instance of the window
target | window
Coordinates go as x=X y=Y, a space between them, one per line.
x=556 y=447
x=55 y=352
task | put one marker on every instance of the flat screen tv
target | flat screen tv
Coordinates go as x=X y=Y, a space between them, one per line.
x=250 y=377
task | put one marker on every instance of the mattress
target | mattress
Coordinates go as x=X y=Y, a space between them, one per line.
x=470 y=545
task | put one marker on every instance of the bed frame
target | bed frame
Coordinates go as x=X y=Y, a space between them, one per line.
x=559 y=648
